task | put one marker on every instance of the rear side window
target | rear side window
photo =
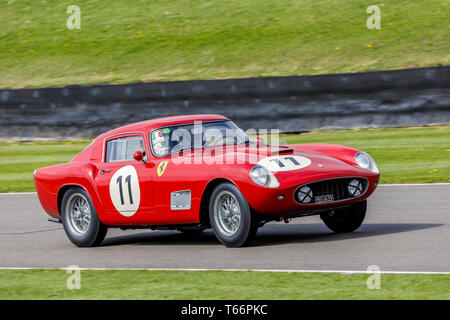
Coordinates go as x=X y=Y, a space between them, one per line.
x=123 y=149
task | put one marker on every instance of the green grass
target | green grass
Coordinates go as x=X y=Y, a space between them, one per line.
x=18 y=160
x=402 y=154
x=141 y=284
x=140 y=40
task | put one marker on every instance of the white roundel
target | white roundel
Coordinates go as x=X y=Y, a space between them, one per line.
x=284 y=163
x=124 y=191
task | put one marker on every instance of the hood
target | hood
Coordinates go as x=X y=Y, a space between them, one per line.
x=279 y=159
x=291 y=165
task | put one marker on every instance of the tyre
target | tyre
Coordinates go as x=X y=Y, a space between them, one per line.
x=80 y=220
x=345 y=219
x=231 y=219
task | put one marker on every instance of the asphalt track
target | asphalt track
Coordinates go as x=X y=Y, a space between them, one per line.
x=407 y=228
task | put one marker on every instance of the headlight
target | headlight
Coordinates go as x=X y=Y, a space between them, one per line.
x=305 y=194
x=355 y=188
x=264 y=177
x=365 y=161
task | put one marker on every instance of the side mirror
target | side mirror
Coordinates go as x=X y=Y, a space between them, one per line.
x=138 y=156
x=260 y=141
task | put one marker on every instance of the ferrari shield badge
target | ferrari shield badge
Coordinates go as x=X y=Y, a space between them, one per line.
x=161 y=167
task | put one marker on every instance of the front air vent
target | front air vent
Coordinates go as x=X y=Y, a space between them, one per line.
x=329 y=191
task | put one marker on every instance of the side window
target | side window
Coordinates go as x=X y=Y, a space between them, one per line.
x=123 y=149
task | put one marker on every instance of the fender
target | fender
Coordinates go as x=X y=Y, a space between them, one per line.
x=85 y=180
x=49 y=184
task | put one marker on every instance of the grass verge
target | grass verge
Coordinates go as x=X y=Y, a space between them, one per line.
x=134 y=40
x=404 y=155
x=141 y=284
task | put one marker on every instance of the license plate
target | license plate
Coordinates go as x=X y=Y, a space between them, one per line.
x=324 y=198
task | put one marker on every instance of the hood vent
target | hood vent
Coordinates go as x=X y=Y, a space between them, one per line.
x=283 y=151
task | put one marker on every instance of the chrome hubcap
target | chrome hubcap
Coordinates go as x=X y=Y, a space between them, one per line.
x=227 y=213
x=78 y=213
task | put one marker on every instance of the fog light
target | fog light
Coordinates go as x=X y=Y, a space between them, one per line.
x=355 y=188
x=305 y=194
x=280 y=197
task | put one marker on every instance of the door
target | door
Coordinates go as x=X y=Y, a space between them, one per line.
x=124 y=184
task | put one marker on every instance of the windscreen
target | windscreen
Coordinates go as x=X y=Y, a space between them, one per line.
x=181 y=138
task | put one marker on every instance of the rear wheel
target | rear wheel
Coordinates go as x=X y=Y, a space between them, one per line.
x=80 y=220
x=345 y=219
x=232 y=221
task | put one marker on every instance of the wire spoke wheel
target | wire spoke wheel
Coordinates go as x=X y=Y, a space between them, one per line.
x=231 y=218
x=79 y=214
x=227 y=213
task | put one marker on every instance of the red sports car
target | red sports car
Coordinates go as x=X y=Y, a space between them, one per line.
x=189 y=173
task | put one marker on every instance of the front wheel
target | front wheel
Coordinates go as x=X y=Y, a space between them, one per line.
x=345 y=219
x=232 y=221
x=80 y=220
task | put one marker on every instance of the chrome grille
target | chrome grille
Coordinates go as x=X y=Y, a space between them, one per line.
x=335 y=187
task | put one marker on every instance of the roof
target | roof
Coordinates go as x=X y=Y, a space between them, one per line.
x=164 y=121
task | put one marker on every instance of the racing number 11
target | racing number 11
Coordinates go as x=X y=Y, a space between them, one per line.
x=127 y=181
x=281 y=164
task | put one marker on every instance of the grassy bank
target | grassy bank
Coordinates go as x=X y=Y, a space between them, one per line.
x=113 y=284
x=403 y=154
x=18 y=160
x=135 y=40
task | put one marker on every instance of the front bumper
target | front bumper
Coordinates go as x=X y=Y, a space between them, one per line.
x=281 y=201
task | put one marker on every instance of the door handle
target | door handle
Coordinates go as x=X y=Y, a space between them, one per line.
x=103 y=171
